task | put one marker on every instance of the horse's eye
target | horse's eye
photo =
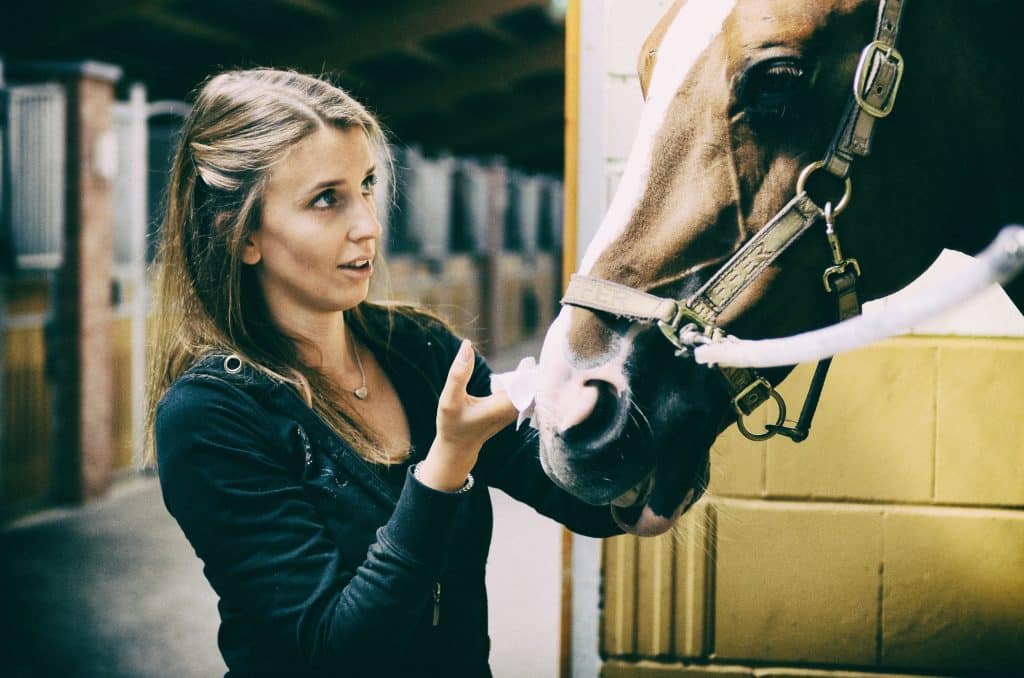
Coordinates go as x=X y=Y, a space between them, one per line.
x=772 y=88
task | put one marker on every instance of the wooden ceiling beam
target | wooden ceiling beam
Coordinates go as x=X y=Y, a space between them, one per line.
x=420 y=53
x=529 y=140
x=316 y=8
x=547 y=151
x=190 y=27
x=535 y=143
x=458 y=82
x=411 y=22
x=82 y=18
x=497 y=34
x=521 y=113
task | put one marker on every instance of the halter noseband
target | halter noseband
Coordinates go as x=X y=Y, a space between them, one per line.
x=686 y=323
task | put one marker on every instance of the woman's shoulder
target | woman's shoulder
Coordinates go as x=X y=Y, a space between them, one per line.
x=216 y=379
x=216 y=404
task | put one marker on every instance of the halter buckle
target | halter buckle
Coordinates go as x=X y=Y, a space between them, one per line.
x=751 y=397
x=863 y=80
x=670 y=323
x=757 y=392
x=675 y=319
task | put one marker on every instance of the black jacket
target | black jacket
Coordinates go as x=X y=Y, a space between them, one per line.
x=326 y=564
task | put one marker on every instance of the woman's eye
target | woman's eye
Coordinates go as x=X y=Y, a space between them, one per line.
x=368 y=183
x=325 y=200
x=773 y=88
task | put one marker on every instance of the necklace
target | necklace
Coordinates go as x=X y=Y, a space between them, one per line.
x=360 y=392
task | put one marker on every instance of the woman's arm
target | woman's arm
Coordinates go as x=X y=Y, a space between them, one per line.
x=510 y=461
x=265 y=548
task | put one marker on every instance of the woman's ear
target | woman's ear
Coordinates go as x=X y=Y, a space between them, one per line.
x=251 y=254
x=250 y=248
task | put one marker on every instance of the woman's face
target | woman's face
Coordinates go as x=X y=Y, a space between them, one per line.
x=318 y=234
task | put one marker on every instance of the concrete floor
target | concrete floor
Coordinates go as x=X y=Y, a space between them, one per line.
x=113 y=589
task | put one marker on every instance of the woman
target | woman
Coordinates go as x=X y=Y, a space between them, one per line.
x=327 y=458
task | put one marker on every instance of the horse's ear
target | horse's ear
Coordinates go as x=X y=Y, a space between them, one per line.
x=649 y=52
x=645 y=69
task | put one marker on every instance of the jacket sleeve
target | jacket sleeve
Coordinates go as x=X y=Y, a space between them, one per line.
x=510 y=461
x=265 y=549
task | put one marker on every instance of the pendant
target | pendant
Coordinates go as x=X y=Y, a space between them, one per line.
x=360 y=393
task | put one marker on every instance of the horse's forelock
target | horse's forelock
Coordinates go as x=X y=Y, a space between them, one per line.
x=692 y=31
x=694 y=28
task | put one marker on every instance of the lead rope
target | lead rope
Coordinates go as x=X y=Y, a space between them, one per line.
x=876 y=83
x=840 y=280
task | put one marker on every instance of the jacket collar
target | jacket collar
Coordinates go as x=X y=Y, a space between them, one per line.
x=282 y=397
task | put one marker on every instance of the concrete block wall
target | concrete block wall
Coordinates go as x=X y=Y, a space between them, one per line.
x=891 y=542
x=944 y=426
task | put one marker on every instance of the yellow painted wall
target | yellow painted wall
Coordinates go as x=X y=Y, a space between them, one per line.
x=892 y=540
x=27 y=409
x=28 y=417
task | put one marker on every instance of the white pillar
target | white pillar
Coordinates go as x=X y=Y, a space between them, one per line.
x=586 y=552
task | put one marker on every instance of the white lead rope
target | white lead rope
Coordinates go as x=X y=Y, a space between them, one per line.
x=998 y=263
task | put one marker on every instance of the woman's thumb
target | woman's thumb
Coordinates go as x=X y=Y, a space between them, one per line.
x=460 y=371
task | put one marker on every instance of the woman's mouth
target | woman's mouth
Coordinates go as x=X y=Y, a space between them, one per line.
x=360 y=268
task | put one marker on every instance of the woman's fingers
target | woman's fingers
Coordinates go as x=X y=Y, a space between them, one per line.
x=497 y=410
x=464 y=424
x=459 y=375
x=465 y=418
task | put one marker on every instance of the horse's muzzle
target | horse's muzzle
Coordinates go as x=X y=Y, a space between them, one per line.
x=593 y=447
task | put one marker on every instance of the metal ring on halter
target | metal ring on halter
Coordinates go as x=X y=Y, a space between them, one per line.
x=780 y=403
x=814 y=167
x=232 y=364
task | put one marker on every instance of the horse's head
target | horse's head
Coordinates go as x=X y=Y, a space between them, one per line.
x=741 y=95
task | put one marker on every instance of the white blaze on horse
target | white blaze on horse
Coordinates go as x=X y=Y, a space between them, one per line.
x=759 y=114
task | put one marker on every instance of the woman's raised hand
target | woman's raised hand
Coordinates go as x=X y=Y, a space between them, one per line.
x=464 y=423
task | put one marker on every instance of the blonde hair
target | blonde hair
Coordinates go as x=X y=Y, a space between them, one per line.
x=241 y=124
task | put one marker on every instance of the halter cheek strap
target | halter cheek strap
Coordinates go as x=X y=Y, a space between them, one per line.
x=875 y=85
x=686 y=323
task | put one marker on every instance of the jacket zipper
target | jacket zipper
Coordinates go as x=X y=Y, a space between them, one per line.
x=437 y=603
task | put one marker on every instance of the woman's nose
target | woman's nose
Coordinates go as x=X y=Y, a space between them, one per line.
x=366 y=223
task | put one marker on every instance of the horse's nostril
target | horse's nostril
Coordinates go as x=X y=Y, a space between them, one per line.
x=603 y=423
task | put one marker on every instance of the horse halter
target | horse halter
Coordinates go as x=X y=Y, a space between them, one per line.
x=689 y=322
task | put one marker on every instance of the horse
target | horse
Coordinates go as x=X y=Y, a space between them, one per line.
x=759 y=113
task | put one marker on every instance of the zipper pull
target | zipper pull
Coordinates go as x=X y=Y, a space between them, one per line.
x=437 y=603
